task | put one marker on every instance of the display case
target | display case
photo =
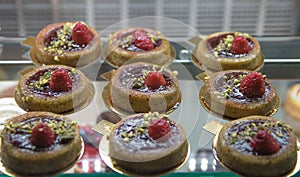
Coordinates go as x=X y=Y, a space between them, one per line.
x=280 y=46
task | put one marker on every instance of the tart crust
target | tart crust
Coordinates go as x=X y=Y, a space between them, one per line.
x=124 y=97
x=77 y=58
x=29 y=162
x=145 y=155
x=30 y=100
x=117 y=56
x=204 y=58
x=248 y=164
x=234 y=108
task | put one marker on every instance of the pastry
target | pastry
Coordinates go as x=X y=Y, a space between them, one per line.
x=239 y=93
x=138 y=44
x=292 y=102
x=228 y=50
x=69 y=43
x=257 y=146
x=38 y=143
x=54 y=88
x=147 y=143
x=143 y=87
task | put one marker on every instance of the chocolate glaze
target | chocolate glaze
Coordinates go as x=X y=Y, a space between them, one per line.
x=21 y=138
x=142 y=141
x=237 y=96
x=46 y=88
x=242 y=142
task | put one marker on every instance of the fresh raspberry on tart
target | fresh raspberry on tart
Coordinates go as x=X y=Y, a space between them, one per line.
x=133 y=45
x=240 y=45
x=60 y=80
x=142 y=41
x=81 y=34
x=42 y=135
x=69 y=43
x=155 y=79
x=253 y=85
x=159 y=128
x=264 y=143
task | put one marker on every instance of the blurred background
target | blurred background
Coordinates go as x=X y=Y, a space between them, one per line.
x=257 y=17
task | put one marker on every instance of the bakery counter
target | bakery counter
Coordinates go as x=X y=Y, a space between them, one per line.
x=190 y=114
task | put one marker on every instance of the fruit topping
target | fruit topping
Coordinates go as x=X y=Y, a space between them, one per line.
x=42 y=136
x=155 y=79
x=159 y=128
x=60 y=80
x=264 y=143
x=142 y=40
x=240 y=45
x=81 y=34
x=253 y=85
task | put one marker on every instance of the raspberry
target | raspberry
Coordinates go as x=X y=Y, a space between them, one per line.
x=253 y=85
x=60 y=80
x=158 y=128
x=240 y=45
x=155 y=79
x=142 y=41
x=42 y=136
x=81 y=34
x=264 y=143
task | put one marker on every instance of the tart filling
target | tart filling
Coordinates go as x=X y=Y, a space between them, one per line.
x=60 y=40
x=222 y=45
x=138 y=40
x=240 y=135
x=39 y=82
x=228 y=86
x=21 y=132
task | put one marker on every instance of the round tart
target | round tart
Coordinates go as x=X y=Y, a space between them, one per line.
x=131 y=45
x=228 y=50
x=69 y=43
x=143 y=87
x=39 y=143
x=292 y=102
x=54 y=88
x=257 y=146
x=238 y=93
x=148 y=143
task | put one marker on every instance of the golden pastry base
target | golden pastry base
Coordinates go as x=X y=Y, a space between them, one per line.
x=122 y=112
x=9 y=172
x=104 y=154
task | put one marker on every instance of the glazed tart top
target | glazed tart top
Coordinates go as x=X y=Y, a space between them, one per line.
x=40 y=81
x=224 y=45
x=20 y=133
x=244 y=131
x=67 y=38
x=138 y=40
x=228 y=86
x=135 y=78
x=136 y=133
